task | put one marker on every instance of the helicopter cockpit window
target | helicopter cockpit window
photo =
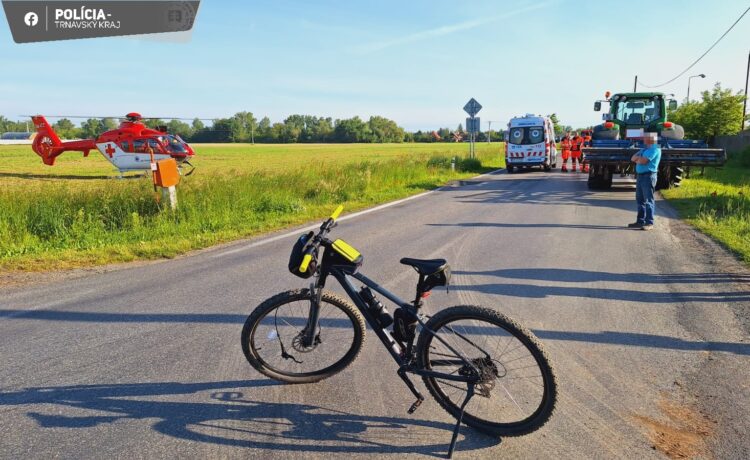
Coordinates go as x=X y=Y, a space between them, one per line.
x=174 y=144
x=144 y=145
x=125 y=146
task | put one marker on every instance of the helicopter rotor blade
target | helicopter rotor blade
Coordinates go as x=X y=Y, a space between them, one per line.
x=120 y=117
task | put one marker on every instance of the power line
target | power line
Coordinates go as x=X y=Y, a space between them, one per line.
x=702 y=55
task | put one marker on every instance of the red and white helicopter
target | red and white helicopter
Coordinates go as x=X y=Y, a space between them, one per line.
x=130 y=147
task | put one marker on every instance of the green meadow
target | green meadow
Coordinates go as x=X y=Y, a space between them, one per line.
x=718 y=203
x=78 y=213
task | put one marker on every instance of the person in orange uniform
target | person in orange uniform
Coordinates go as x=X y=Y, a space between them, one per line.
x=565 y=146
x=586 y=143
x=576 y=142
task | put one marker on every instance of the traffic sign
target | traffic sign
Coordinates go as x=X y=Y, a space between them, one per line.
x=472 y=125
x=472 y=107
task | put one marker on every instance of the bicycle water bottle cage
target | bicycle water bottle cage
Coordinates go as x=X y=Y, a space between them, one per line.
x=432 y=272
x=298 y=251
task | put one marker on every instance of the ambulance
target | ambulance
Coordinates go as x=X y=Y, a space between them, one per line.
x=530 y=142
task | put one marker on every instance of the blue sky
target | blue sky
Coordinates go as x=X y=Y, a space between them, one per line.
x=416 y=62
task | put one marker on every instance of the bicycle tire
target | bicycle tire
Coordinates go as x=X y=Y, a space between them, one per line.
x=261 y=312
x=531 y=423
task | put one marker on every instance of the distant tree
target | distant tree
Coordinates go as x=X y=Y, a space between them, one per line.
x=321 y=129
x=221 y=131
x=243 y=127
x=66 y=129
x=91 y=128
x=154 y=123
x=7 y=125
x=180 y=128
x=352 y=130
x=385 y=130
x=197 y=125
x=557 y=126
x=718 y=113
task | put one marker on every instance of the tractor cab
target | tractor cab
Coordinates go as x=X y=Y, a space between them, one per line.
x=637 y=112
x=646 y=112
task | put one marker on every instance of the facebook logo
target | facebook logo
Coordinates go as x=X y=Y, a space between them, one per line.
x=31 y=19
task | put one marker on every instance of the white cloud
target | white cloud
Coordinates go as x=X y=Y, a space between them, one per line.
x=443 y=30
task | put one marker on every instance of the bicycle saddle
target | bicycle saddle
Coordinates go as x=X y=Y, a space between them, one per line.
x=425 y=267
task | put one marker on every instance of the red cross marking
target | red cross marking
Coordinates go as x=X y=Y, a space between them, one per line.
x=110 y=150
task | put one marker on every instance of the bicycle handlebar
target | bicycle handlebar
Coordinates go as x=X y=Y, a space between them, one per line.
x=326 y=227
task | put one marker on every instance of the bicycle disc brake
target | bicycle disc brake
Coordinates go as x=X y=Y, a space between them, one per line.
x=299 y=344
x=488 y=373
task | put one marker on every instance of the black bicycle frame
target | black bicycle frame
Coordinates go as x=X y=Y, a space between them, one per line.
x=393 y=347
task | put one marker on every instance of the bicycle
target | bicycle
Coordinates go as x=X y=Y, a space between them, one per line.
x=307 y=335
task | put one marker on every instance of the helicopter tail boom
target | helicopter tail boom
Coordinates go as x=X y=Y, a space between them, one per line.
x=48 y=145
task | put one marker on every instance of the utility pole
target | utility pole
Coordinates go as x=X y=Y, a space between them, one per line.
x=744 y=105
x=489 y=130
x=635 y=83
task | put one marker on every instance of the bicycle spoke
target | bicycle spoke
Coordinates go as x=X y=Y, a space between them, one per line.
x=507 y=387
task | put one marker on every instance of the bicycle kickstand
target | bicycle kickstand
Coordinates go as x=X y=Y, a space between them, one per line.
x=402 y=373
x=469 y=394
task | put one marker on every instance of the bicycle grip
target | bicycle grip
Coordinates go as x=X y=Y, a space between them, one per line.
x=305 y=262
x=337 y=212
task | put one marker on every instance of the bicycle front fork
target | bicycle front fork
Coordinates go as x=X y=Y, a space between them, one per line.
x=311 y=329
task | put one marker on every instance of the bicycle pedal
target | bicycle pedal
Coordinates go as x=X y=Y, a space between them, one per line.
x=415 y=406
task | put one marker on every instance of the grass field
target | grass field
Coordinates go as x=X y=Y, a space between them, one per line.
x=718 y=203
x=77 y=214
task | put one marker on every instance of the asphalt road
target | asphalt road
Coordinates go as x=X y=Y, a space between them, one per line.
x=647 y=331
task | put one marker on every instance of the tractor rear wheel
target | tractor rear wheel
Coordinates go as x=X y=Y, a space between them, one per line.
x=599 y=179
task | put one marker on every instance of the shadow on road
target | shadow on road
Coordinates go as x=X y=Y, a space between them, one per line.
x=586 y=276
x=629 y=295
x=222 y=416
x=564 y=190
x=615 y=338
x=644 y=340
x=508 y=225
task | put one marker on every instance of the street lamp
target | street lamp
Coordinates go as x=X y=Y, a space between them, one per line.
x=702 y=75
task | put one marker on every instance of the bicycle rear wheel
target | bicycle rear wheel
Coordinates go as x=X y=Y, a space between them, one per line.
x=517 y=390
x=271 y=337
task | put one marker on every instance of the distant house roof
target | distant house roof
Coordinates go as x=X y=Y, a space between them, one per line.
x=16 y=136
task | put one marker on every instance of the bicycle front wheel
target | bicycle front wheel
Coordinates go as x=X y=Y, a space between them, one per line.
x=272 y=338
x=516 y=391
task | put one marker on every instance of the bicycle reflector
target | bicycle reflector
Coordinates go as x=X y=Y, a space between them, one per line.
x=298 y=252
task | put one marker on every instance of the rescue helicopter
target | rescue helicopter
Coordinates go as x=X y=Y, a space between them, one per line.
x=131 y=147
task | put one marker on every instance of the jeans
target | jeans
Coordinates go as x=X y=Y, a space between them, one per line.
x=644 y=195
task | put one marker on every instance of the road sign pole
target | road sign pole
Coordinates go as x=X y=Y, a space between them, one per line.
x=472 y=124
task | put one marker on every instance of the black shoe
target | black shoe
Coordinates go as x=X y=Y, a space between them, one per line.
x=635 y=225
x=647 y=227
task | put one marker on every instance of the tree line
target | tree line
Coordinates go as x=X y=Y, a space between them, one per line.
x=245 y=127
x=718 y=113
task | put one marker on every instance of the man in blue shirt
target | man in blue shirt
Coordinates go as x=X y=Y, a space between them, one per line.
x=646 y=167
